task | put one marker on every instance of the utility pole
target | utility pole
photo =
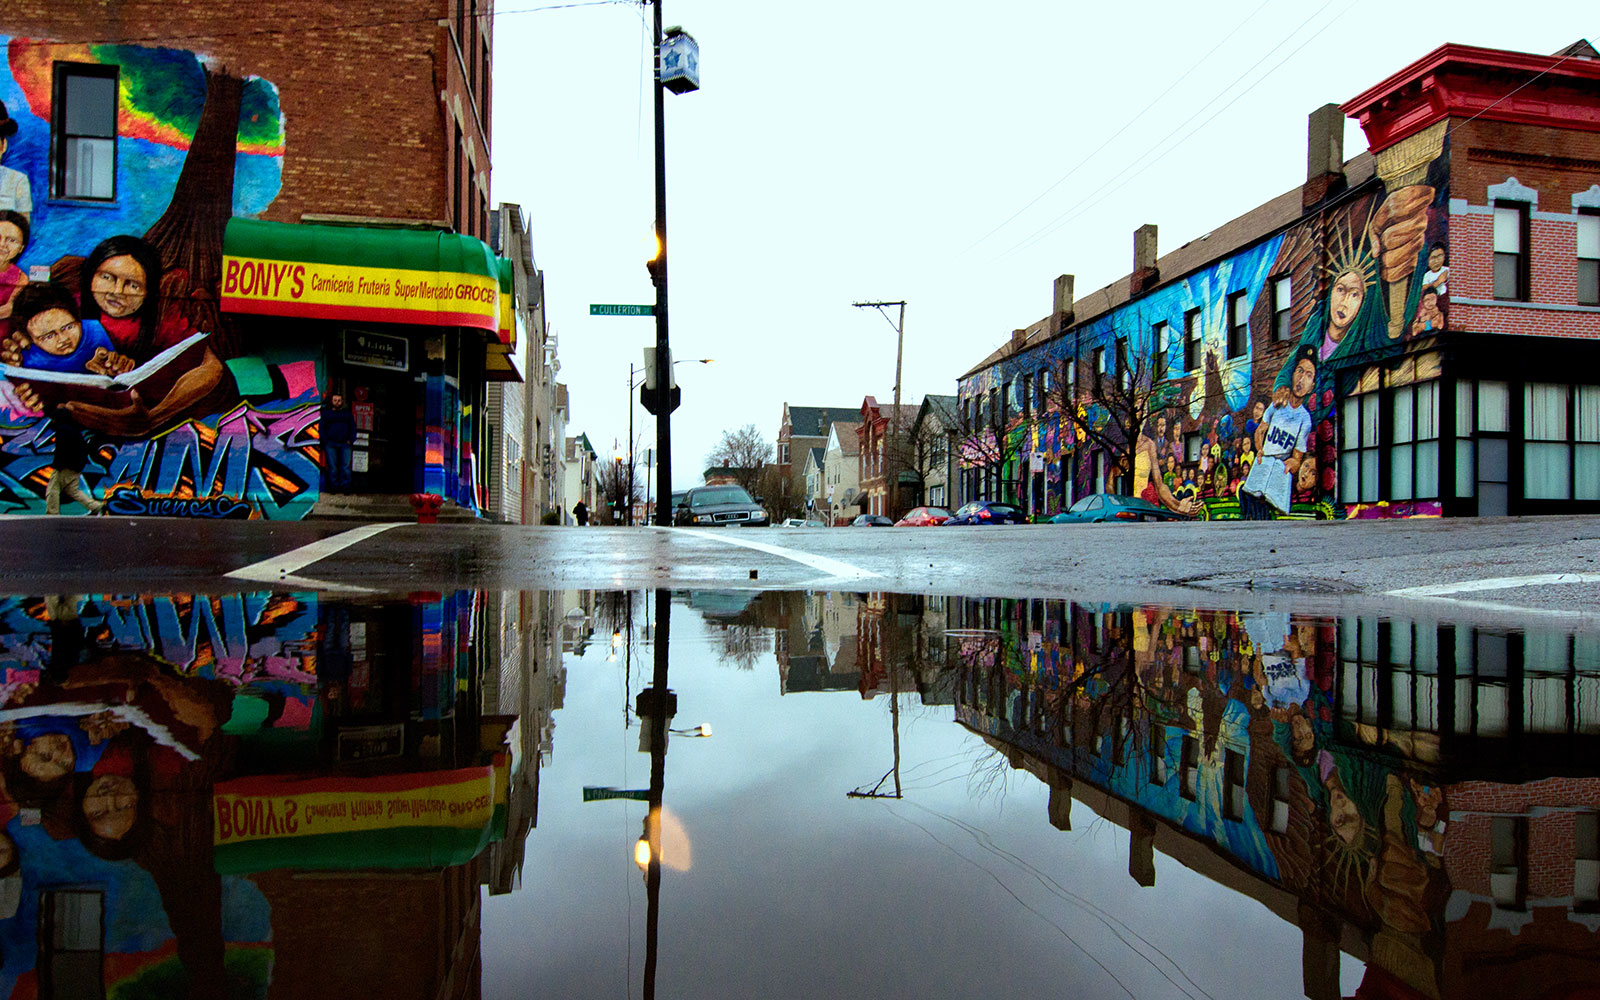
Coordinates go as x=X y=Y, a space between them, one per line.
x=663 y=345
x=891 y=464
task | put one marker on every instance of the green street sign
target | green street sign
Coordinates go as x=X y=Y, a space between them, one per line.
x=592 y=794
x=621 y=310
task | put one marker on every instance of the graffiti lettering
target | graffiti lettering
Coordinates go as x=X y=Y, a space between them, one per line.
x=127 y=502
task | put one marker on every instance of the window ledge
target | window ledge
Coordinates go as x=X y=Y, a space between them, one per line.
x=1520 y=304
x=104 y=205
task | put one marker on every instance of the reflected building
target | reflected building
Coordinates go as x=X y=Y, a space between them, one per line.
x=203 y=792
x=1421 y=795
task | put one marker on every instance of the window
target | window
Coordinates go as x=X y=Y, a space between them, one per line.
x=1099 y=357
x=1025 y=390
x=1158 y=342
x=1238 y=324
x=1282 y=299
x=1189 y=769
x=1508 y=839
x=1233 y=796
x=1414 y=442
x=1192 y=443
x=994 y=406
x=71 y=943
x=1358 y=452
x=1005 y=404
x=1191 y=340
x=1280 y=800
x=1466 y=447
x=83 y=128
x=1040 y=387
x=1589 y=257
x=1561 y=450
x=1099 y=472
x=1124 y=370
x=1510 y=255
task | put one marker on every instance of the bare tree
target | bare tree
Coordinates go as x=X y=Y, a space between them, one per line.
x=921 y=453
x=744 y=453
x=618 y=487
x=1118 y=387
x=988 y=445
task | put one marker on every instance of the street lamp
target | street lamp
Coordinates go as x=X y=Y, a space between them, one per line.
x=894 y=419
x=677 y=65
x=632 y=385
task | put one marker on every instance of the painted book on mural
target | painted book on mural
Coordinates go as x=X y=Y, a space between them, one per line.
x=160 y=372
x=1269 y=480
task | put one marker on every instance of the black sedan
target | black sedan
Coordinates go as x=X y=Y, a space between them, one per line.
x=1102 y=507
x=726 y=504
x=987 y=512
x=872 y=521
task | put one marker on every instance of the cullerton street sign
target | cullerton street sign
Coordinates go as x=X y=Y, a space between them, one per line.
x=621 y=310
x=592 y=794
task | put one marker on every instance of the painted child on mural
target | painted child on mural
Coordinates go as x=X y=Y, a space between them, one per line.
x=14 y=233
x=1282 y=440
x=58 y=339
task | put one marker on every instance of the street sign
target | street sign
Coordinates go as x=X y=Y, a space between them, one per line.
x=592 y=794
x=621 y=310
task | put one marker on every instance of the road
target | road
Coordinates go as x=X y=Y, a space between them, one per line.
x=1547 y=565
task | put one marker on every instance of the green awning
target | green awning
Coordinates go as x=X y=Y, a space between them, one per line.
x=411 y=276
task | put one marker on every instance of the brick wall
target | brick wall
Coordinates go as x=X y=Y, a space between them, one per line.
x=360 y=82
x=1551 y=844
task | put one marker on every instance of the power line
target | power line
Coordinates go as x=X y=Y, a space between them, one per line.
x=1125 y=126
x=1071 y=211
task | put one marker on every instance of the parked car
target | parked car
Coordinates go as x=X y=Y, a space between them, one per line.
x=987 y=512
x=726 y=504
x=1099 y=507
x=872 y=521
x=923 y=517
x=800 y=522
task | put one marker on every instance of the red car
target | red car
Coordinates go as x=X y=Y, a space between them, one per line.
x=923 y=517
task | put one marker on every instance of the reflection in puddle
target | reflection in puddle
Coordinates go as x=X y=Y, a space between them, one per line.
x=265 y=794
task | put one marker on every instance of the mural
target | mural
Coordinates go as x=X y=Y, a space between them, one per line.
x=1257 y=434
x=122 y=384
x=161 y=756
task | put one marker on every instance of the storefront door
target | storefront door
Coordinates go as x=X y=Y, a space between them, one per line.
x=385 y=408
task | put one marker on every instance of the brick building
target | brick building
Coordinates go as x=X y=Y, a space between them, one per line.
x=313 y=194
x=1407 y=333
x=885 y=475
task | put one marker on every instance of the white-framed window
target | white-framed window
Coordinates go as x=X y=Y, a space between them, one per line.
x=83 y=132
x=1158 y=341
x=1238 y=324
x=1358 y=451
x=1510 y=250
x=1414 y=442
x=1589 y=257
x=1561 y=441
x=1282 y=305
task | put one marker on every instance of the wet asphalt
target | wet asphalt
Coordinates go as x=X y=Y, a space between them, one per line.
x=1322 y=564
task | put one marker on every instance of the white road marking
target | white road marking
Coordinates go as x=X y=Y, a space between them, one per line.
x=833 y=567
x=282 y=568
x=1495 y=583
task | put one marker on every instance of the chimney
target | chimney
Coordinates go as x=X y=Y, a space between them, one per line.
x=1017 y=337
x=1324 y=155
x=1145 y=275
x=1062 y=304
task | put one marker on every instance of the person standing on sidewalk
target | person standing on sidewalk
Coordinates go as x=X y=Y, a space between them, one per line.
x=581 y=511
x=338 y=433
x=72 y=454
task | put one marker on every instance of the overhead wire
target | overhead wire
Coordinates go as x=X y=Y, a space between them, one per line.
x=1125 y=126
x=1121 y=177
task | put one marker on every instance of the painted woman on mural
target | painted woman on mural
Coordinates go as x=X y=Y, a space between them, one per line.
x=119 y=289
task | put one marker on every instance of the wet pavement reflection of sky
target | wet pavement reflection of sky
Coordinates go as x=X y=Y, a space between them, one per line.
x=432 y=794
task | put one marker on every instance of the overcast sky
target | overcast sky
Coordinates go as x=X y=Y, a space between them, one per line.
x=957 y=156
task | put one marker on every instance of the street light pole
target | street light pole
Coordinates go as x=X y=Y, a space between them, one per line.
x=663 y=345
x=630 y=445
x=894 y=419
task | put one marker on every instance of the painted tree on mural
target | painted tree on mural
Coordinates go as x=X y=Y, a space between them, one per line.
x=989 y=446
x=1110 y=400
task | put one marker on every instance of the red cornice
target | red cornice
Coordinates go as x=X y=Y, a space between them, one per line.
x=1464 y=81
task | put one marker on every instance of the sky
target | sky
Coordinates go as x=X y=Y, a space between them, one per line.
x=954 y=156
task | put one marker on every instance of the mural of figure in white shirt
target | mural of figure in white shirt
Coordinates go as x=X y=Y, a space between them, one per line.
x=15 y=193
x=1282 y=440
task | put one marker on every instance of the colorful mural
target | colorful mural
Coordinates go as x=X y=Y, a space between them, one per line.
x=122 y=384
x=1244 y=426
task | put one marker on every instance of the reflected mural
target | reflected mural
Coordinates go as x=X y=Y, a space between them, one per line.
x=174 y=765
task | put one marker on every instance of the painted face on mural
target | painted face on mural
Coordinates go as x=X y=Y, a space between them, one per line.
x=119 y=286
x=1343 y=816
x=1344 y=301
x=110 y=805
x=1301 y=737
x=1305 y=377
x=55 y=331
x=48 y=758
x=11 y=242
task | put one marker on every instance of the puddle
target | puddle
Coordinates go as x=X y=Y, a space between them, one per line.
x=787 y=795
